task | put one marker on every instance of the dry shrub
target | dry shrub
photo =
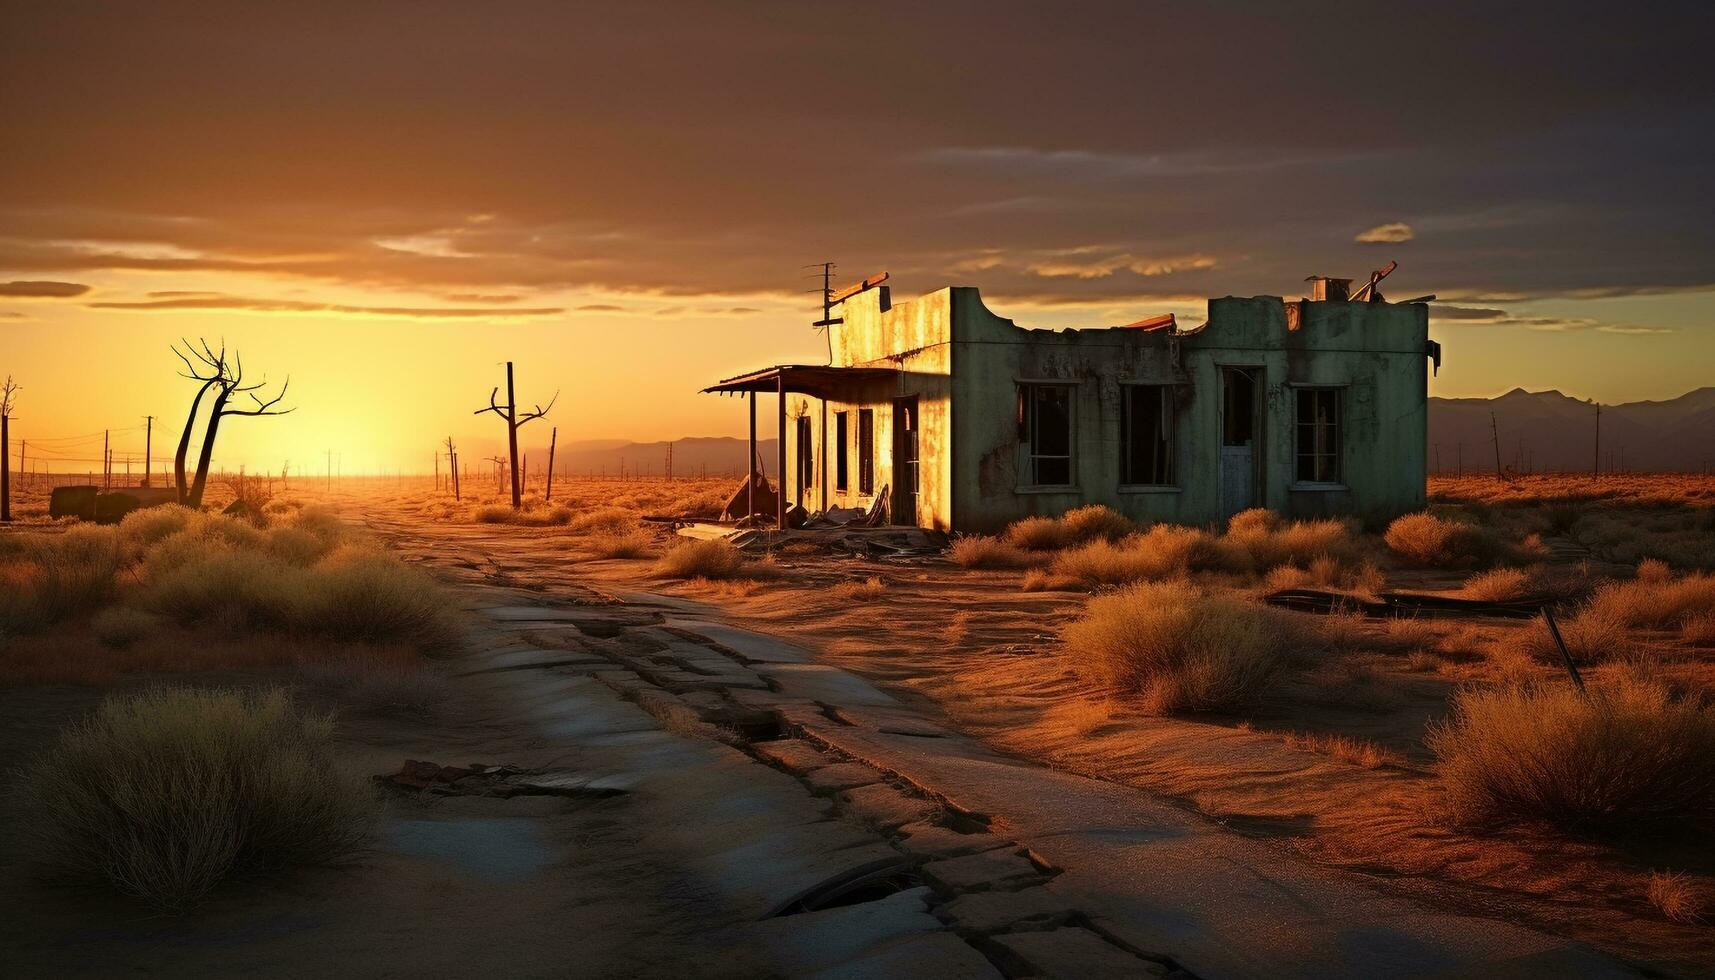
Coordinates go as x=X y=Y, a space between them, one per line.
x=1094 y=521
x=1698 y=630
x=870 y=588
x=121 y=626
x=1439 y=542
x=1498 y=585
x=51 y=577
x=1654 y=570
x=605 y=520
x=1257 y=540
x=1631 y=756
x=166 y=794
x=1179 y=647
x=631 y=544
x=150 y=524
x=982 y=551
x=1164 y=551
x=1409 y=634
x=1677 y=895
x=1038 y=534
x=368 y=597
x=1038 y=580
x=715 y=558
x=1657 y=601
x=1357 y=751
x=492 y=514
x=1592 y=635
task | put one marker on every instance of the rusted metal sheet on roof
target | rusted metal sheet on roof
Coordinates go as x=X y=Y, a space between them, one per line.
x=1165 y=321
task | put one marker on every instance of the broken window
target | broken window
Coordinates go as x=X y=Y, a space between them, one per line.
x=1238 y=407
x=806 y=454
x=841 y=437
x=1047 y=418
x=1317 y=428
x=1146 y=424
x=866 y=450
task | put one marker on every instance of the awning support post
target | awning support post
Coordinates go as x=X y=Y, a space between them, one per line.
x=750 y=463
x=780 y=452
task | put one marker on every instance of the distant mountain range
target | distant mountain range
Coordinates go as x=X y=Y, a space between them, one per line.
x=1539 y=431
x=1546 y=431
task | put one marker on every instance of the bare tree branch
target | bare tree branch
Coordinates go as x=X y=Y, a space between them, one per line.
x=539 y=411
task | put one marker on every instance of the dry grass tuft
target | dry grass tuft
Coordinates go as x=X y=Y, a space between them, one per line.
x=1095 y=521
x=982 y=551
x=1439 y=542
x=1038 y=534
x=1164 y=551
x=631 y=544
x=1257 y=541
x=1179 y=647
x=1356 y=751
x=869 y=589
x=1498 y=585
x=1657 y=601
x=164 y=795
x=1632 y=756
x=713 y=559
x=1677 y=895
x=1593 y=635
x=605 y=520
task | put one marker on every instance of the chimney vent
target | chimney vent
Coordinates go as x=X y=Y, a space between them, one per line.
x=1323 y=288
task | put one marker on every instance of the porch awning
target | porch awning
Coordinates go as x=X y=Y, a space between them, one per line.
x=819 y=380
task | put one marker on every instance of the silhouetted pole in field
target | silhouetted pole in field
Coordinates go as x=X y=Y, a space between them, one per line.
x=553 y=443
x=148 y=444
x=1495 y=430
x=8 y=397
x=510 y=413
x=1596 y=464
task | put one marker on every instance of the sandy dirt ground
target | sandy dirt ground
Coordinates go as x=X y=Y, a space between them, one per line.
x=602 y=883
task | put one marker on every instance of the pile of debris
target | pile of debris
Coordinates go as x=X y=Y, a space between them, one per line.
x=748 y=521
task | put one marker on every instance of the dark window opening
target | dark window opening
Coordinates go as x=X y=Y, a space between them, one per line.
x=806 y=454
x=1317 y=425
x=1147 y=435
x=840 y=451
x=866 y=450
x=1238 y=407
x=1048 y=434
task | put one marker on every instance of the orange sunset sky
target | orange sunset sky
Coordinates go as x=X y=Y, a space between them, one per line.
x=387 y=200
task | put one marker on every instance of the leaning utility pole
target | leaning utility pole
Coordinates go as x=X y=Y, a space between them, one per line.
x=553 y=443
x=453 y=466
x=509 y=412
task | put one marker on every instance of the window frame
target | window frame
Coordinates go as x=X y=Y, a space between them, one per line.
x=805 y=435
x=866 y=451
x=1028 y=422
x=1168 y=415
x=842 y=451
x=1319 y=430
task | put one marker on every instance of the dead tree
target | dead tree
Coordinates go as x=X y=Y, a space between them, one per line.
x=509 y=412
x=8 y=398
x=225 y=376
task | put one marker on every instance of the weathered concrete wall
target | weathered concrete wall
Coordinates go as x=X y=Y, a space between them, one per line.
x=1373 y=351
x=913 y=339
x=966 y=365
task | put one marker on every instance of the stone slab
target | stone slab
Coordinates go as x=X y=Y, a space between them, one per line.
x=1076 y=954
x=841 y=775
x=1003 y=911
x=933 y=840
x=793 y=753
x=828 y=685
x=885 y=807
x=747 y=644
x=982 y=871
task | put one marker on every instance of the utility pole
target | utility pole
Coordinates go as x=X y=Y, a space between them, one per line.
x=330 y=469
x=509 y=413
x=1596 y=467
x=8 y=392
x=553 y=443
x=453 y=467
x=1495 y=430
x=106 y=463
x=148 y=444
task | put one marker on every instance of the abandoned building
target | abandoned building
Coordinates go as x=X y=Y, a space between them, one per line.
x=956 y=419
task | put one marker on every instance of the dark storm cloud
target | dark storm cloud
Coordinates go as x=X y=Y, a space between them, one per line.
x=42 y=289
x=1068 y=153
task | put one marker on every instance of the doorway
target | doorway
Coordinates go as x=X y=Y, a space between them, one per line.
x=905 y=485
x=1240 y=425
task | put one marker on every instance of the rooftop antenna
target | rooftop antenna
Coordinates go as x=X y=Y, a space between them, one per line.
x=828 y=319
